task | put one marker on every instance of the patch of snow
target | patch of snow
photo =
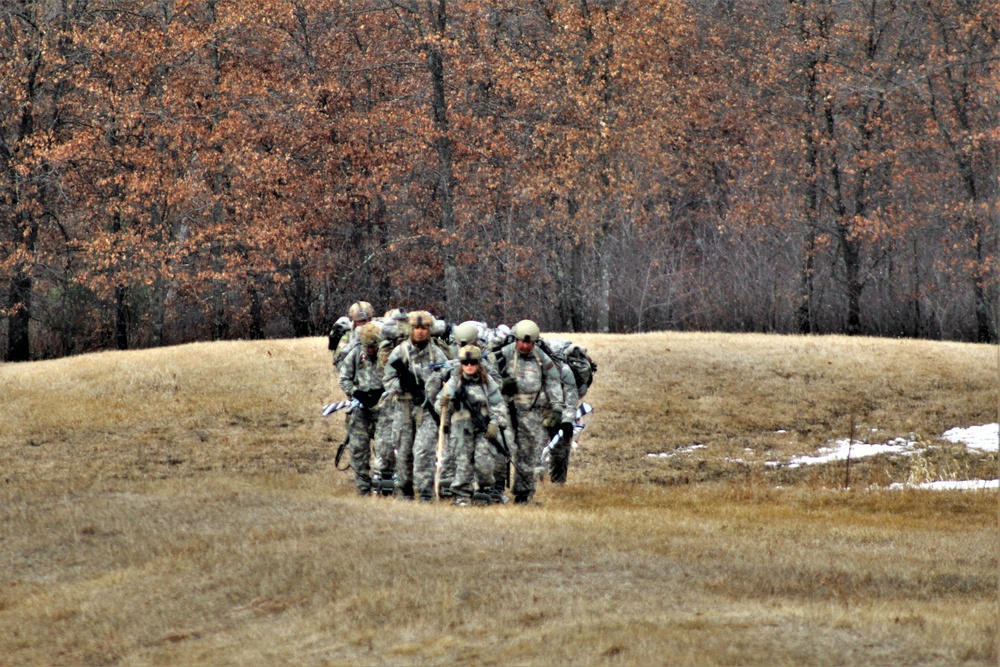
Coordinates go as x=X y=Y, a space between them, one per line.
x=951 y=486
x=985 y=437
x=679 y=450
x=858 y=450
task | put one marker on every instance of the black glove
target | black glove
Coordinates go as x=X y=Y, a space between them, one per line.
x=508 y=387
x=567 y=432
x=408 y=382
x=369 y=399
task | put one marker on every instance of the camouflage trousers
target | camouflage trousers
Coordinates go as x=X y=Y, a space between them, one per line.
x=559 y=459
x=360 y=427
x=500 y=464
x=448 y=466
x=501 y=470
x=474 y=457
x=384 y=462
x=415 y=433
x=529 y=442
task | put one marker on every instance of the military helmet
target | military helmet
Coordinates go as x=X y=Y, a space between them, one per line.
x=361 y=311
x=469 y=353
x=466 y=333
x=397 y=314
x=370 y=335
x=527 y=331
x=421 y=318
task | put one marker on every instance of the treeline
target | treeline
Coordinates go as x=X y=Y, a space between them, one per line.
x=173 y=170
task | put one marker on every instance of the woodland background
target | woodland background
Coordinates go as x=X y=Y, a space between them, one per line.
x=175 y=170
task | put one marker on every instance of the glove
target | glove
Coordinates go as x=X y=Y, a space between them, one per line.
x=443 y=399
x=492 y=431
x=567 y=432
x=509 y=387
x=369 y=399
x=552 y=420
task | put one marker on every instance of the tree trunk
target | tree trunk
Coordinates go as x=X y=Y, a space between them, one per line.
x=19 y=307
x=446 y=177
x=985 y=329
x=603 y=286
x=806 y=306
x=852 y=275
x=805 y=310
x=123 y=316
x=256 y=313
x=568 y=275
x=299 y=301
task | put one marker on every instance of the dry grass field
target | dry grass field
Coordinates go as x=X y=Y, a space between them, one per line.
x=181 y=506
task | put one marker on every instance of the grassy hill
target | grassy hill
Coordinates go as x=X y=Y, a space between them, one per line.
x=180 y=505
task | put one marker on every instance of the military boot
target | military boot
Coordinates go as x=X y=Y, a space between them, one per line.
x=405 y=492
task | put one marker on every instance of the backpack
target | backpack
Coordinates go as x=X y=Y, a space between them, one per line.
x=576 y=357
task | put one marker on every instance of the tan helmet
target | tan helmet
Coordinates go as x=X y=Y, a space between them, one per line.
x=527 y=331
x=466 y=333
x=469 y=353
x=397 y=314
x=370 y=335
x=361 y=311
x=421 y=318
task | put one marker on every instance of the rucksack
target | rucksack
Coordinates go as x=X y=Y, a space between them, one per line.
x=576 y=357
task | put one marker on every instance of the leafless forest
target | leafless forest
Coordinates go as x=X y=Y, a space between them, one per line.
x=178 y=170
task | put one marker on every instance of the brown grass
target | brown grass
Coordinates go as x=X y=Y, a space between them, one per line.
x=180 y=506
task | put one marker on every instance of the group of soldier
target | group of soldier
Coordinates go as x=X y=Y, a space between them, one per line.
x=457 y=412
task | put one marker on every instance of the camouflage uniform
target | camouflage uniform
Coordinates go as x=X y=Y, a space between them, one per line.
x=361 y=378
x=414 y=427
x=474 y=455
x=384 y=458
x=559 y=455
x=533 y=383
x=394 y=331
x=467 y=333
x=501 y=471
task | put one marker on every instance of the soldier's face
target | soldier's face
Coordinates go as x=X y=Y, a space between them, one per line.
x=420 y=333
x=371 y=351
x=525 y=346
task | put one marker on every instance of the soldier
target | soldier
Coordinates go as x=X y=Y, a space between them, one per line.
x=361 y=379
x=477 y=415
x=467 y=333
x=532 y=382
x=412 y=381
